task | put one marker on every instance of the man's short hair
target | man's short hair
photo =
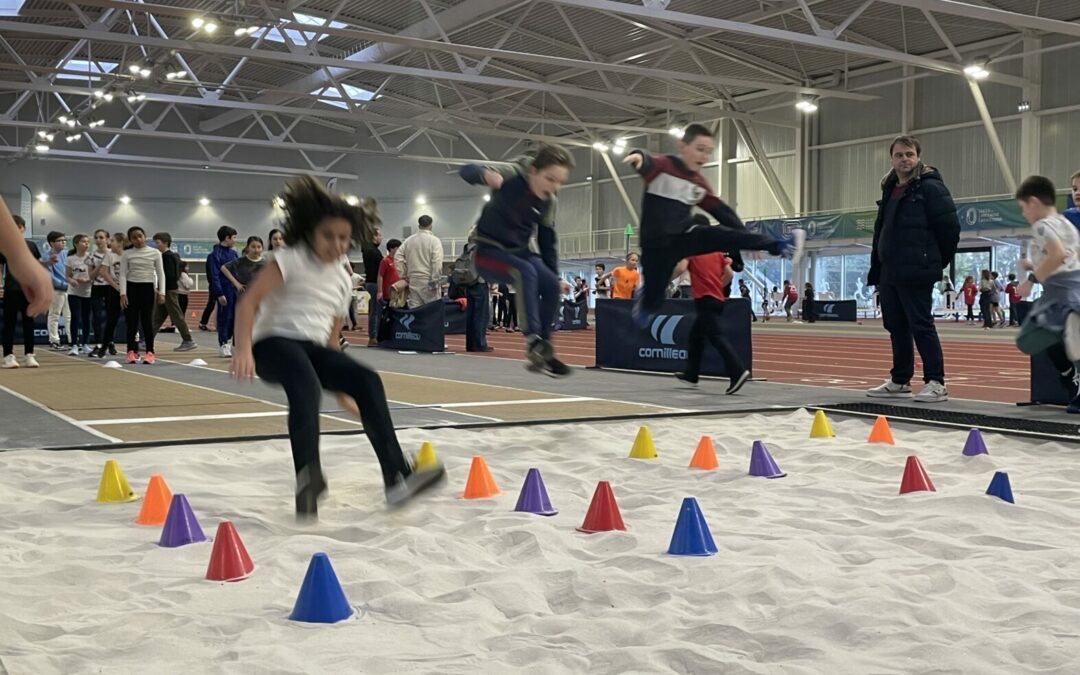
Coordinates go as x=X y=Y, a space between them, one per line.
x=1037 y=187
x=19 y=221
x=693 y=131
x=909 y=141
x=601 y=266
x=392 y=244
x=54 y=235
x=424 y=221
x=224 y=232
x=164 y=237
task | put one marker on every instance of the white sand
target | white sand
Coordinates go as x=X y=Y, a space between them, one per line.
x=826 y=570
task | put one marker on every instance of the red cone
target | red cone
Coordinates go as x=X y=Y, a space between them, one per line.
x=229 y=561
x=603 y=514
x=915 y=477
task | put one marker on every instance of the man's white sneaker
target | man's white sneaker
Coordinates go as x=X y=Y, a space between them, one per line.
x=225 y=351
x=74 y=351
x=10 y=362
x=1071 y=336
x=932 y=392
x=890 y=389
x=30 y=362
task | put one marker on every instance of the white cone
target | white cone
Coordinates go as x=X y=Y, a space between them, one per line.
x=112 y=364
x=197 y=362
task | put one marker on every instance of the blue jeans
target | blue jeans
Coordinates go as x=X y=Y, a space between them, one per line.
x=537 y=287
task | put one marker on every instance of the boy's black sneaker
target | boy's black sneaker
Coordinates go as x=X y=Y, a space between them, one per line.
x=308 y=493
x=416 y=482
x=690 y=380
x=541 y=356
x=738 y=381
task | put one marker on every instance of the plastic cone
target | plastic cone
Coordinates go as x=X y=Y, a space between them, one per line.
x=643 y=445
x=155 y=506
x=197 y=362
x=426 y=458
x=691 y=536
x=480 y=485
x=534 y=496
x=762 y=463
x=603 y=515
x=915 y=477
x=975 y=445
x=181 y=527
x=1000 y=487
x=704 y=456
x=881 y=433
x=321 y=599
x=112 y=364
x=114 y=487
x=821 y=427
x=229 y=561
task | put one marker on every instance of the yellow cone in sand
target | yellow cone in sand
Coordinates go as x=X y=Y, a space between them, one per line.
x=114 y=486
x=821 y=427
x=643 y=445
x=426 y=458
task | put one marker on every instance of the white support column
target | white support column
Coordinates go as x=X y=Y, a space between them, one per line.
x=992 y=135
x=619 y=186
x=1030 y=125
x=907 y=101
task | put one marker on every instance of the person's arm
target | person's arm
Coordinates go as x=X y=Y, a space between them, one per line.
x=399 y=262
x=69 y=272
x=941 y=215
x=243 y=363
x=437 y=260
x=1056 y=255
x=680 y=268
x=213 y=277
x=232 y=280
x=123 y=280
x=31 y=276
x=159 y=269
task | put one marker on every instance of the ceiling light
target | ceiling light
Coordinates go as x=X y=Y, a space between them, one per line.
x=96 y=123
x=108 y=97
x=99 y=94
x=210 y=27
x=807 y=106
x=50 y=136
x=239 y=31
x=198 y=22
x=421 y=200
x=677 y=132
x=251 y=30
x=618 y=149
x=487 y=198
x=279 y=202
x=203 y=201
x=588 y=177
x=43 y=133
x=1023 y=106
x=43 y=197
x=600 y=146
x=133 y=69
x=70 y=123
x=125 y=200
x=145 y=73
x=73 y=137
x=976 y=72
x=41 y=147
x=63 y=119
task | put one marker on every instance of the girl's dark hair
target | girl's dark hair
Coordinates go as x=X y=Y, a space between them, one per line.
x=77 y=238
x=183 y=266
x=270 y=237
x=307 y=203
x=251 y=239
x=133 y=229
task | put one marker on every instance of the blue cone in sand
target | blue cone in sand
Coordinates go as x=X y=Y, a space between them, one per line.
x=762 y=463
x=534 y=496
x=181 y=527
x=321 y=599
x=691 y=536
x=975 y=444
x=1000 y=487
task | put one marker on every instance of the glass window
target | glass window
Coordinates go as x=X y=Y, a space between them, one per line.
x=856 y=267
x=91 y=68
x=828 y=277
x=331 y=95
x=274 y=35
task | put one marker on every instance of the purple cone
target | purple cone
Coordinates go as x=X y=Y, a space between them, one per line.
x=975 y=444
x=762 y=463
x=534 y=496
x=181 y=527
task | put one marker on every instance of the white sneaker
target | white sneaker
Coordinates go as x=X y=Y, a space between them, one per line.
x=890 y=389
x=30 y=362
x=74 y=351
x=1071 y=336
x=932 y=392
x=10 y=362
x=225 y=351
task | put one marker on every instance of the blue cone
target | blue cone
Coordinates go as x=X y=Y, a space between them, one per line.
x=762 y=463
x=321 y=599
x=691 y=536
x=534 y=496
x=1000 y=487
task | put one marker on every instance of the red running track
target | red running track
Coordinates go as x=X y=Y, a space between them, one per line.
x=986 y=371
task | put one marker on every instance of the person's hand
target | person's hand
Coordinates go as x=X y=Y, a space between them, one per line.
x=222 y=301
x=36 y=285
x=123 y=302
x=240 y=288
x=243 y=365
x=633 y=160
x=493 y=179
x=348 y=404
x=161 y=299
x=53 y=258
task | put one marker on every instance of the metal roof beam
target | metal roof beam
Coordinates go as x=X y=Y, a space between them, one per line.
x=983 y=13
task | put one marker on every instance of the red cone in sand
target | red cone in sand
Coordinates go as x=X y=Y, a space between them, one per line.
x=603 y=515
x=915 y=477
x=229 y=561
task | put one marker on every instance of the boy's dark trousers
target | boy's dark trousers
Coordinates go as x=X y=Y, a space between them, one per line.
x=707 y=326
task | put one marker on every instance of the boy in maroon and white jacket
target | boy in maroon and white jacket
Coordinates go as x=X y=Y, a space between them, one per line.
x=673 y=186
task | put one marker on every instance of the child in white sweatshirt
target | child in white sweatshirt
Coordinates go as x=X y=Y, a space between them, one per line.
x=141 y=274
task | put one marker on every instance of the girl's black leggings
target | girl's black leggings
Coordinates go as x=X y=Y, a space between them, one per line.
x=79 y=331
x=15 y=303
x=140 y=314
x=304 y=369
x=112 y=316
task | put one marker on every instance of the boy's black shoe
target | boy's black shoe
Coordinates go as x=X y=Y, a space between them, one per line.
x=691 y=380
x=416 y=482
x=738 y=381
x=308 y=493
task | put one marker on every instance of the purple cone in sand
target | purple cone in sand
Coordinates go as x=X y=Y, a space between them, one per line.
x=534 y=496
x=975 y=444
x=181 y=527
x=1000 y=487
x=762 y=463
x=691 y=535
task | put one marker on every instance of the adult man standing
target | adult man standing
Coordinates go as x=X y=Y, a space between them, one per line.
x=915 y=238
x=419 y=261
x=372 y=259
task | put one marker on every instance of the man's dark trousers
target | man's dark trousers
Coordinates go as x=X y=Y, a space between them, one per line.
x=906 y=314
x=477 y=315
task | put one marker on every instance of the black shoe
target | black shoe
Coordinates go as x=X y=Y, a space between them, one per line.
x=738 y=382
x=308 y=493
x=203 y=327
x=112 y=349
x=691 y=380
x=416 y=482
x=541 y=356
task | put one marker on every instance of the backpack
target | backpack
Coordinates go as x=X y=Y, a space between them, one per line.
x=463 y=273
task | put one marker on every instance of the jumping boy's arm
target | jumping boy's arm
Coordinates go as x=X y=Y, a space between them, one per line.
x=680 y=268
x=243 y=363
x=1056 y=255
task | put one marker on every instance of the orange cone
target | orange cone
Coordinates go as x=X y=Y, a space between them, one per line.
x=705 y=456
x=881 y=433
x=480 y=485
x=156 y=503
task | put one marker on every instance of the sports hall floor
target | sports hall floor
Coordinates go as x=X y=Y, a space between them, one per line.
x=75 y=402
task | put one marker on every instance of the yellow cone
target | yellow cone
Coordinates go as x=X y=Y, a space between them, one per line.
x=426 y=458
x=821 y=427
x=643 y=445
x=114 y=486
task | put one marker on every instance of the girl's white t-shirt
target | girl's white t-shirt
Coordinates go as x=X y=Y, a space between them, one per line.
x=79 y=267
x=313 y=296
x=96 y=259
